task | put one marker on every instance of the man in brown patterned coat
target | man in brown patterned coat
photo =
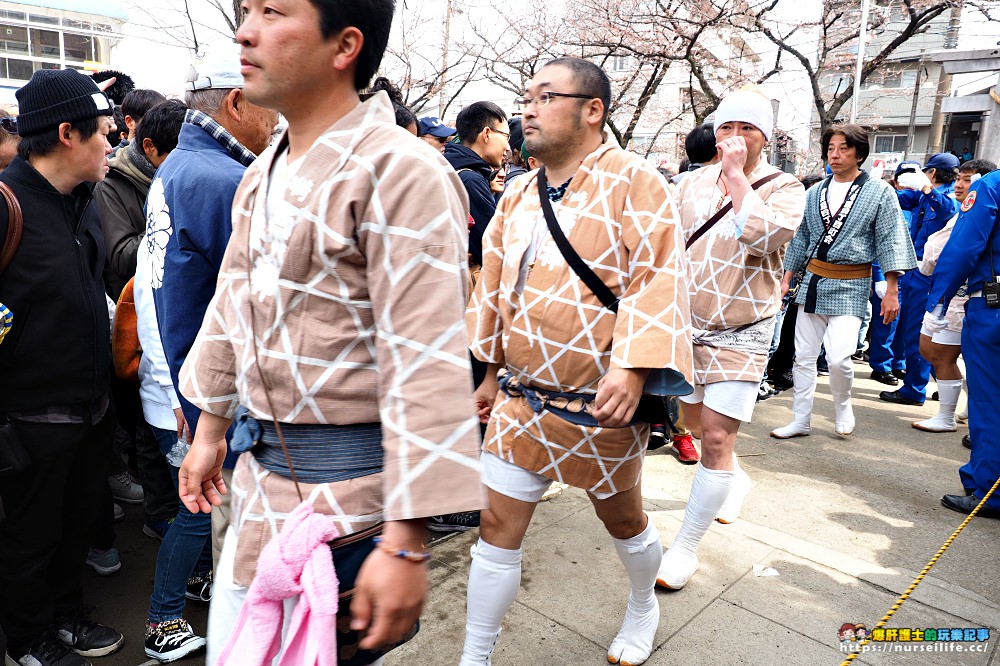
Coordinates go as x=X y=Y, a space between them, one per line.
x=556 y=344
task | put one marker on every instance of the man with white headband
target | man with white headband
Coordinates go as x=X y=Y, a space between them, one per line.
x=737 y=217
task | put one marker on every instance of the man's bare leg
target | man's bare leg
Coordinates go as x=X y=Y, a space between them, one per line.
x=637 y=542
x=495 y=574
x=709 y=491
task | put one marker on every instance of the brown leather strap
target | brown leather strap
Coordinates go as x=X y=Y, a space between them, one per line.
x=15 y=225
x=839 y=271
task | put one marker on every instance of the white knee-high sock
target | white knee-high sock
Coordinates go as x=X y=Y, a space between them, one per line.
x=641 y=556
x=949 y=391
x=709 y=491
x=494 y=578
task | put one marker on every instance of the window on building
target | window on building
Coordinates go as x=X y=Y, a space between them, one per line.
x=891 y=79
x=8 y=14
x=890 y=143
x=19 y=69
x=620 y=63
x=13 y=39
x=44 y=43
x=79 y=47
x=41 y=18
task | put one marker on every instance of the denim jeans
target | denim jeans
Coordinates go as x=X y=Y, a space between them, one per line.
x=186 y=550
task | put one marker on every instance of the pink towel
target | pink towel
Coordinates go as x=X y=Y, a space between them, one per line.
x=296 y=563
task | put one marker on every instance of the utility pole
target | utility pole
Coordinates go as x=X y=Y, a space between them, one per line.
x=442 y=96
x=862 y=34
x=935 y=140
x=912 y=131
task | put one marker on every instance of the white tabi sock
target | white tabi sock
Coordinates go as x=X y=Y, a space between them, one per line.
x=641 y=556
x=949 y=391
x=494 y=578
x=709 y=491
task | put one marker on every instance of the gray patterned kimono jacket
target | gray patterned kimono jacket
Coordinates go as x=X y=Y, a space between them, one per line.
x=874 y=229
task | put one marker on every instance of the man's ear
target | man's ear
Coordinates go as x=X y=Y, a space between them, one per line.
x=347 y=47
x=129 y=123
x=65 y=134
x=149 y=148
x=233 y=104
x=594 y=110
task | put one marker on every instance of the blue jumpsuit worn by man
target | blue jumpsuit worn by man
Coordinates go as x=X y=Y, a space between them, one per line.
x=928 y=197
x=56 y=362
x=971 y=255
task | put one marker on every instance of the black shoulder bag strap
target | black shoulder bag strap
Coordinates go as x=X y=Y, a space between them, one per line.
x=719 y=214
x=579 y=266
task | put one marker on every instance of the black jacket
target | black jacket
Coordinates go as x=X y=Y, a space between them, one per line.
x=476 y=175
x=58 y=351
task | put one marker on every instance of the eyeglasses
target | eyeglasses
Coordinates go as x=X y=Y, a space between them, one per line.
x=9 y=125
x=543 y=99
x=506 y=134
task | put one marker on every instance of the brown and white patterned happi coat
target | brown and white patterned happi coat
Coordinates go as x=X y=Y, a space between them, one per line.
x=736 y=281
x=358 y=298
x=553 y=333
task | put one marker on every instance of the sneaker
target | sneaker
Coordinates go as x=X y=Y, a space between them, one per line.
x=88 y=638
x=199 y=588
x=764 y=391
x=171 y=640
x=104 y=563
x=119 y=513
x=125 y=489
x=657 y=436
x=684 y=448
x=156 y=529
x=454 y=522
x=46 y=650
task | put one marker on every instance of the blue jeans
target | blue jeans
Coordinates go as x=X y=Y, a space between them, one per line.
x=186 y=550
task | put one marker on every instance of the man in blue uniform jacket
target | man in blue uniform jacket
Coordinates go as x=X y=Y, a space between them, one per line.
x=970 y=255
x=928 y=195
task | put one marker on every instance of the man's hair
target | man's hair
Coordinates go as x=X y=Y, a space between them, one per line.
x=119 y=118
x=404 y=117
x=699 y=144
x=982 y=167
x=810 y=179
x=372 y=17
x=589 y=79
x=472 y=119
x=207 y=100
x=162 y=125
x=46 y=142
x=945 y=176
x=855 y=137
x=139 y=101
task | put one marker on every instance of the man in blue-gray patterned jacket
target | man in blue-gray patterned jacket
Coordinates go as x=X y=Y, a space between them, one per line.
x=850 y=220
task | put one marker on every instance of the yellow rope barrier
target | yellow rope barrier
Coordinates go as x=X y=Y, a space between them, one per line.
x=916 y=581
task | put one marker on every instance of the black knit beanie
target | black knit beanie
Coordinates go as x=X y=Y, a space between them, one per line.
x=55 y=96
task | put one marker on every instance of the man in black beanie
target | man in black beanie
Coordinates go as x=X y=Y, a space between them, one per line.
x=55 y=361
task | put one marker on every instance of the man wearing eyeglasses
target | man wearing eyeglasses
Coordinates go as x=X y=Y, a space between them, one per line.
x=533 y=318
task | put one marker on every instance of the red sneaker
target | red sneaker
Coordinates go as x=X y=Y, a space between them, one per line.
x=684 y=446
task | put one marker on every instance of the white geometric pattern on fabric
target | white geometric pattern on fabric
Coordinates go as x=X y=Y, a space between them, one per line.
x=736 y=281
x=362 y=322
x=534 y=315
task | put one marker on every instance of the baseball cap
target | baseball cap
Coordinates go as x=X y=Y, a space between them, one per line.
x=942 y=162
x=908 y=165
x=434 y=127
x=220 y=70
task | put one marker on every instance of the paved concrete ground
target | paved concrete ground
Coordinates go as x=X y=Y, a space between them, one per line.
x=846 y=523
